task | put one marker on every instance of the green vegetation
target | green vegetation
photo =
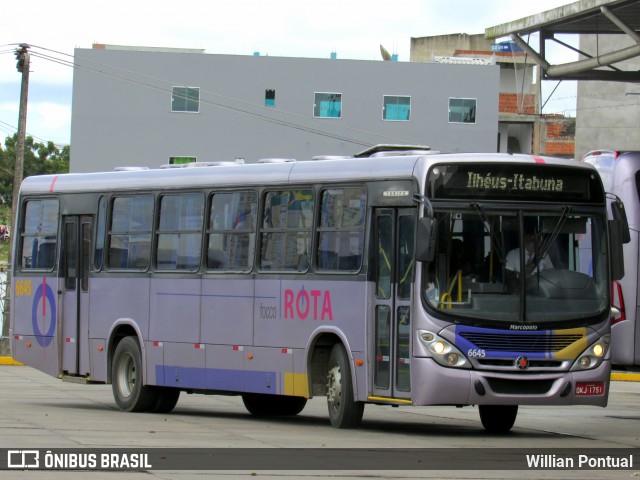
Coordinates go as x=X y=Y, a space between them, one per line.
x=39 y=159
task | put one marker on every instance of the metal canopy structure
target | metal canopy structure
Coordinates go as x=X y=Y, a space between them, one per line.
x=589 y=17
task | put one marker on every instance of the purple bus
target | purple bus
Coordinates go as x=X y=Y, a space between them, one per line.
x=377 y=279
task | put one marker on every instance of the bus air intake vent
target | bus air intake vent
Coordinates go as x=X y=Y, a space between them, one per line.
x=521 y=343
x=503 y=386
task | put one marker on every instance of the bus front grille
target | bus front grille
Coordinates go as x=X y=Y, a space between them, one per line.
x=531 y=343
x=509 y=363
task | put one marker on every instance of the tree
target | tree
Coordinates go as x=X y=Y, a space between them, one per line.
x=39 y=159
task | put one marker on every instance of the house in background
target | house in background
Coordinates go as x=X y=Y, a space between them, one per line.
x=148 y=107
x=522 y=129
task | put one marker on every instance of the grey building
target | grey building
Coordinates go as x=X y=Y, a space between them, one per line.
x=148 y=107
x=608 y=112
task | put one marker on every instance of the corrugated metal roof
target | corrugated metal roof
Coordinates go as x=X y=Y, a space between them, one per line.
x=594 y=17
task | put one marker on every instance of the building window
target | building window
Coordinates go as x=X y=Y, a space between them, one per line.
x=396 y=108
x=181 y=160
x=462 y=110
x=185 y=99
x=328 y=105
x=269 y=98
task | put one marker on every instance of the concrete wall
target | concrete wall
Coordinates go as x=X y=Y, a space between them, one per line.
x=122 y=115
x=424 y=48
x=608 y=113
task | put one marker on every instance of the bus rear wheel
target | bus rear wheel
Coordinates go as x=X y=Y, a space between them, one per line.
x=344 y=411
x=129 y=391
x=498 y=418
x=262 y=405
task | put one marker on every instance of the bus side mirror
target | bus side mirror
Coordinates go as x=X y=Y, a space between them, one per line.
x=618 y=213
x=616 y=239
x=426 y=241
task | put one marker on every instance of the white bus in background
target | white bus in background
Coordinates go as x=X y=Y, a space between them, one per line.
x=620 y=173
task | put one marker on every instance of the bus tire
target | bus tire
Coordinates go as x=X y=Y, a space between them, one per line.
x=498 y=418
x=129 y=391
x=262 y=405
x=166 y=399
x=344 y=411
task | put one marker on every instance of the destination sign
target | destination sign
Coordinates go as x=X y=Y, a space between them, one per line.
x=514 y=181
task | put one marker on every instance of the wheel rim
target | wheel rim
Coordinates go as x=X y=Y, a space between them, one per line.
x=334 y=387
x=126 y=373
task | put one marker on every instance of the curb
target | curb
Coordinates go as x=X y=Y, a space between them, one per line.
x=9 y=361
x=625 y=377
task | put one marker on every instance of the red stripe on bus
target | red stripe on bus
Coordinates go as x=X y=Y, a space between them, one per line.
x=44 y=296
x=539 y=160
x=53 y=182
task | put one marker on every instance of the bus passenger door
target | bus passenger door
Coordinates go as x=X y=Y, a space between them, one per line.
x=75 y=264
x=393 y=259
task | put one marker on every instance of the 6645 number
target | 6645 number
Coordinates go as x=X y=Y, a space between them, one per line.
x=476 y=353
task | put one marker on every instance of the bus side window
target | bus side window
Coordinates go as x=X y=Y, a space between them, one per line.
x=230 y=231
x=101 y=227
x=341 y=229
x=286 y=230
x=179 y=233
x=129 y=237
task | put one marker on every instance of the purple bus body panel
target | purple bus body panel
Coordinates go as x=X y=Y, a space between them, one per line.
x=227 y=311
x=175 y=310
x=302 y=306
x=105 y=311
x=35 y=313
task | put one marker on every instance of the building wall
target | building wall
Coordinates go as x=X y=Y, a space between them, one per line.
x=424 y=48
x=608 y=113
x=120 y=117
x=518 y=103
x=557 y=135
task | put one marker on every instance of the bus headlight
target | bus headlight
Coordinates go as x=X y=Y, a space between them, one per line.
x=442 y=351
x=594 y=355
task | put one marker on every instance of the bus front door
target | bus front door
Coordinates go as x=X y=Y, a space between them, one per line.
x=75 y=264
x=394 y=244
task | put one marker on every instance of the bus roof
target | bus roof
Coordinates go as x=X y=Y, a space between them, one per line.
x=257 y=174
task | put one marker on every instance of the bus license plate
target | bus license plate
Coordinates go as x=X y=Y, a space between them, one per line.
x=589 y=388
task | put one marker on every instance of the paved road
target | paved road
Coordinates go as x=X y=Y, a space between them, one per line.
x=37 y=411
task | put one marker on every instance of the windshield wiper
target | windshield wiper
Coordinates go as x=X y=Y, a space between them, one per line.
x=487 y=225
x=544 y=248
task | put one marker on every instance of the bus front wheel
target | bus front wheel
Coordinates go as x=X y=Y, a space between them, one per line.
x=129 y=391
x=498 y=418
x=344 y=411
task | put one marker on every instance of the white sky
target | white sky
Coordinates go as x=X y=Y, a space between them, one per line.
x=288 y=28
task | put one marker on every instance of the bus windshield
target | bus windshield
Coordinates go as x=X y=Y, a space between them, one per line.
x=518 y=266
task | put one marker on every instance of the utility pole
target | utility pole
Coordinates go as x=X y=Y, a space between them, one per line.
x=22 y=57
